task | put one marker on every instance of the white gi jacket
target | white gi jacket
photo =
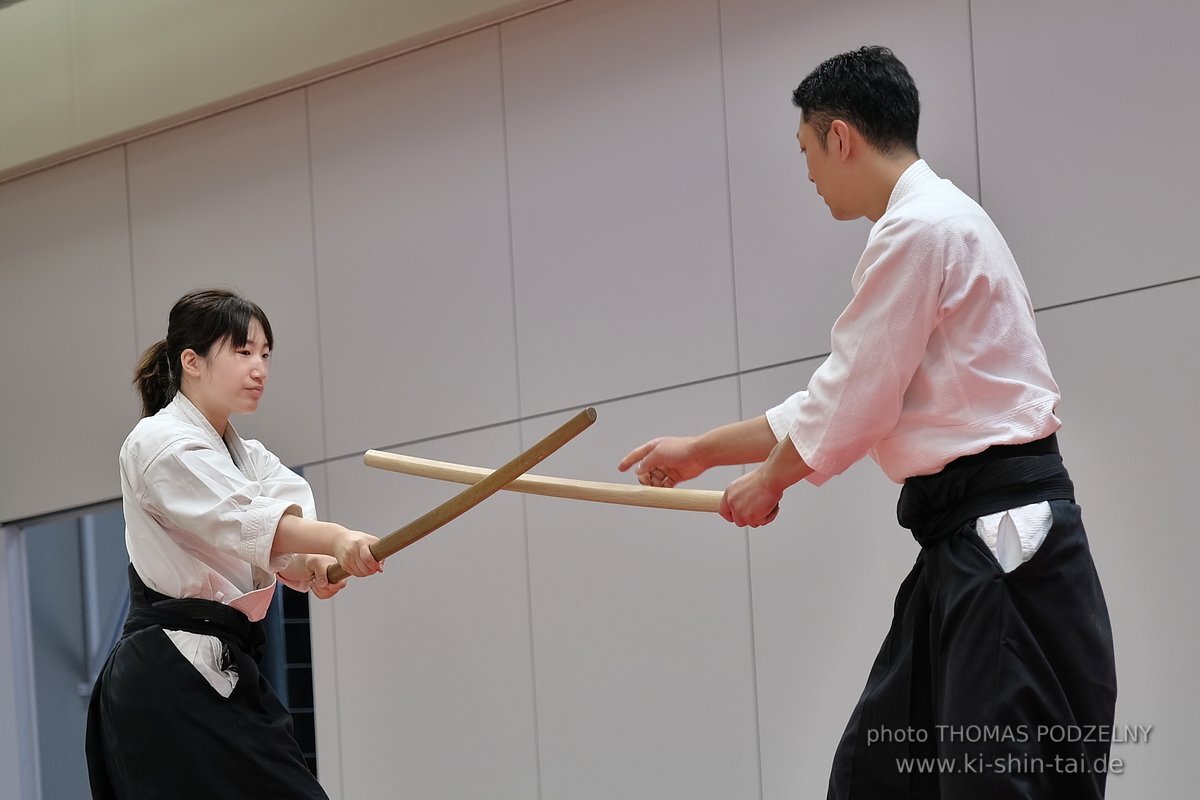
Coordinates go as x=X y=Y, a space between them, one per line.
x=200 y=518
x=937 y=355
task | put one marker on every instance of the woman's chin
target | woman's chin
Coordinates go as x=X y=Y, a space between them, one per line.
x=248 y=406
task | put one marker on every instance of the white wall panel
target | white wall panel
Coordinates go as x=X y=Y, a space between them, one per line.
x=1086 y=144
x=434 y=688
x=641 y=623
x=413 y=247
x=1129 y=437
x=66 y=336
x=825 y=575
x=792 y=259
x=620 y=212
x=225 y=202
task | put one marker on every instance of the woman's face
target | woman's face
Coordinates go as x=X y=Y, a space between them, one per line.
x=233 y=379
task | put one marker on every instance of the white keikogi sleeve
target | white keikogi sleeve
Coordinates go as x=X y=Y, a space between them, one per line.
x=855 y=397
x=279 y=481
x=197 y=489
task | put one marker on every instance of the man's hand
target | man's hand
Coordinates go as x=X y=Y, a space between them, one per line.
x=750 y=500
x=753 y=499
x=665 y=461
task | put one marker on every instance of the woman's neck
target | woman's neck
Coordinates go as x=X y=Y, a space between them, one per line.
x=220 y=422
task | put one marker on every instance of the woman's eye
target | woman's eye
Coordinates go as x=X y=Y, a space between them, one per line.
x=266 y=356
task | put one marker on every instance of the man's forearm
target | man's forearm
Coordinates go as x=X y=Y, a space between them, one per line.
x=750 y=441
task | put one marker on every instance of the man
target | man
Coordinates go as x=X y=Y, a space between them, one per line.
x=1001 y=635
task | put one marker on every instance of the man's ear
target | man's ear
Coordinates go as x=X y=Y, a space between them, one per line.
x=191 y=362
x=839 y=139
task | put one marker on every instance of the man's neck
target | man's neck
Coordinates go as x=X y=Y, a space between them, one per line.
x=883 y=173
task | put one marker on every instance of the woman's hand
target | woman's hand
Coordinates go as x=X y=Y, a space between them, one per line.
x=353 y=552
x=307 y=573
x=318 y=582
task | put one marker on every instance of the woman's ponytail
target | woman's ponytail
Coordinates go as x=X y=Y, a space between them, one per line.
x=154 y=378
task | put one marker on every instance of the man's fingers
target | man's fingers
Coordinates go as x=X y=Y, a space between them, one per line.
x=767 y=519
x=636 y=455
x=724 y=510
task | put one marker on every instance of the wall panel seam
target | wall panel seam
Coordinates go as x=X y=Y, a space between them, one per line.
x=559 y=411
x=1119 y=293
x=512 y=275
x=737 y=356
x=975 y=98
x=312 y=232
x=129 y=235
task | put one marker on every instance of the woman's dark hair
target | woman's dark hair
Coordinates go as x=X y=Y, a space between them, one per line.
x=198 y=320
x=869 y=88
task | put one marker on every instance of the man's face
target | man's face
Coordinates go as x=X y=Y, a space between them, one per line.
x=826 y=169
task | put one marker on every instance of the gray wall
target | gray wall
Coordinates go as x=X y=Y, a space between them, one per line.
x=603 y=203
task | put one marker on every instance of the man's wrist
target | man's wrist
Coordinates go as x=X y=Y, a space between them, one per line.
x=771 y=480
x=784 y=467
x=700 y=450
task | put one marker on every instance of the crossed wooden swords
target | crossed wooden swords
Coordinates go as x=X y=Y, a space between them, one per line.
x=512 y=476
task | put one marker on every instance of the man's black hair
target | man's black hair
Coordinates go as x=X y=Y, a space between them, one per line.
x=869 y=88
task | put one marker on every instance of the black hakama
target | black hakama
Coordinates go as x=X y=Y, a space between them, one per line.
x=157 y=728
x=989 y=684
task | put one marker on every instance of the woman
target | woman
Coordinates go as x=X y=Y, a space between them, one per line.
x=180 y=709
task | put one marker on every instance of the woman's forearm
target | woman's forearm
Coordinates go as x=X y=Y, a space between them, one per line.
x=299 y=535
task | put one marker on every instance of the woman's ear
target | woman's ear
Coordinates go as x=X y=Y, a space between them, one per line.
x=190 y=362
